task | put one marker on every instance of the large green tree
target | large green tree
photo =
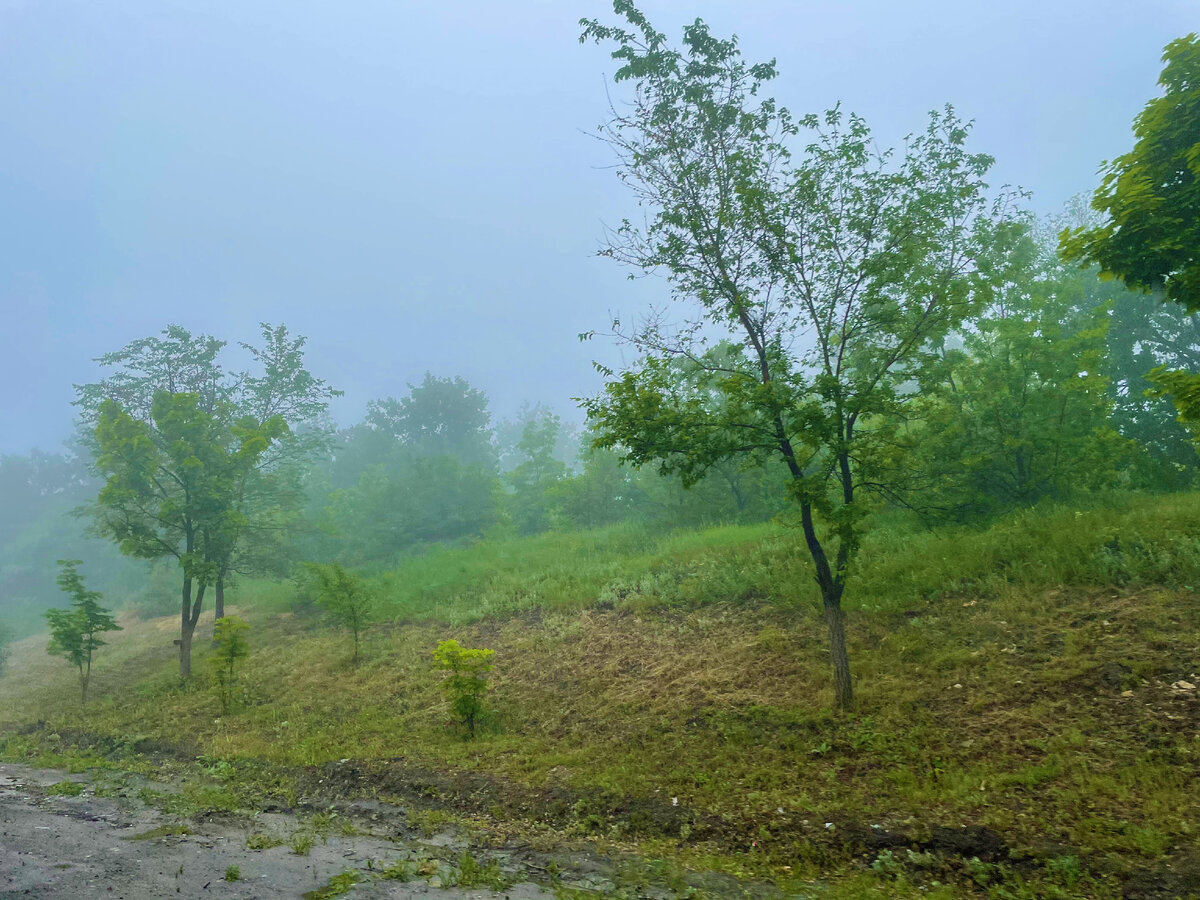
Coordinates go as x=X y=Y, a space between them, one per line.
x=837 y=271
x=1150 y=196
x=1149 y=236
x=171 y=489
x=439 y=417
x=1021 y=410
x=191 y=454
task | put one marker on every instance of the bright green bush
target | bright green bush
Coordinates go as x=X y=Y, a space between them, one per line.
x=466 y=684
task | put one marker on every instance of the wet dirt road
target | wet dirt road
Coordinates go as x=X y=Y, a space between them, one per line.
x=53 y=845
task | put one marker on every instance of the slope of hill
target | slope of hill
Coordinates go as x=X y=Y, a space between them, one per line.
x=1026 y=723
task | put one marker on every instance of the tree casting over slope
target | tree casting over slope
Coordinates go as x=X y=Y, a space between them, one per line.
x=193 y=457
x=837 y=273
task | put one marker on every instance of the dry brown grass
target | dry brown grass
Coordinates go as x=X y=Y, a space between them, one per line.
x=1004 y=708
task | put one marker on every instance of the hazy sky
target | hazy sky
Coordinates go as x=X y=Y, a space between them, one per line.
x=411 y=184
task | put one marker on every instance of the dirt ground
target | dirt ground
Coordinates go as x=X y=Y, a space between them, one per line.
x=54 y=845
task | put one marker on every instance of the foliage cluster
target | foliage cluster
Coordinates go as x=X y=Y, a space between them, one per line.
x=230 y=648
x=75 y=632
x=1149 y=196
x=345 y=598
x=466 y=681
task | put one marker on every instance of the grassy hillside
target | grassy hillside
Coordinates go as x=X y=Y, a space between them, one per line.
x=669 y=693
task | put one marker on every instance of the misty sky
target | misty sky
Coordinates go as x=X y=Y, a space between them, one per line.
x=411 y=185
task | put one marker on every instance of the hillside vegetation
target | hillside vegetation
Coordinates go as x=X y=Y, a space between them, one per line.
x=668 y=693
x=871 y=573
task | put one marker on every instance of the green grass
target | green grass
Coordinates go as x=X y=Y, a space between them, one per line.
x=260 y=841
x=470 y=872
x=1132 y=540
x=302 y=843
x=338 y=885
x=66 y=789
x=670 y=693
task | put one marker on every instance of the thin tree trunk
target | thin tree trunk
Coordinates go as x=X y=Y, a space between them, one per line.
x=185 y=633
x=185 y=653
x=188 y=629
x=218 y=604
x=836 y=620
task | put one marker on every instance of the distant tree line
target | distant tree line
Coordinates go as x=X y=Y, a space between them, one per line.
x=1042 y=395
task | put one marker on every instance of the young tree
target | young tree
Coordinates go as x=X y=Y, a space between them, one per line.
x=75 y=632
x=345 y=598
x=188 y=452
x=466 y=682
x=229 y=636
x=837 y=272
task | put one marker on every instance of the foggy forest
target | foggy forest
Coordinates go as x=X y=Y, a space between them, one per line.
x=787 y=487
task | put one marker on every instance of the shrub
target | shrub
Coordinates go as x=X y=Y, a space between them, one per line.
x=466 y=683
x=229 y=634
x=345 y=598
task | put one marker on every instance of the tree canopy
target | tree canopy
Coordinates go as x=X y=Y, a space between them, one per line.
x=192 y=456
x=1150 y=238
x=837 y=272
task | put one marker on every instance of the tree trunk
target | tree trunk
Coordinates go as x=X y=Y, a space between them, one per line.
x=218 y=605
x=185 y=652
x=188 y=629
x=836 y=620
x=185 y=633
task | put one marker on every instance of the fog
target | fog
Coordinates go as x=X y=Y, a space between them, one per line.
x=413 y=186
x=860 y=559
